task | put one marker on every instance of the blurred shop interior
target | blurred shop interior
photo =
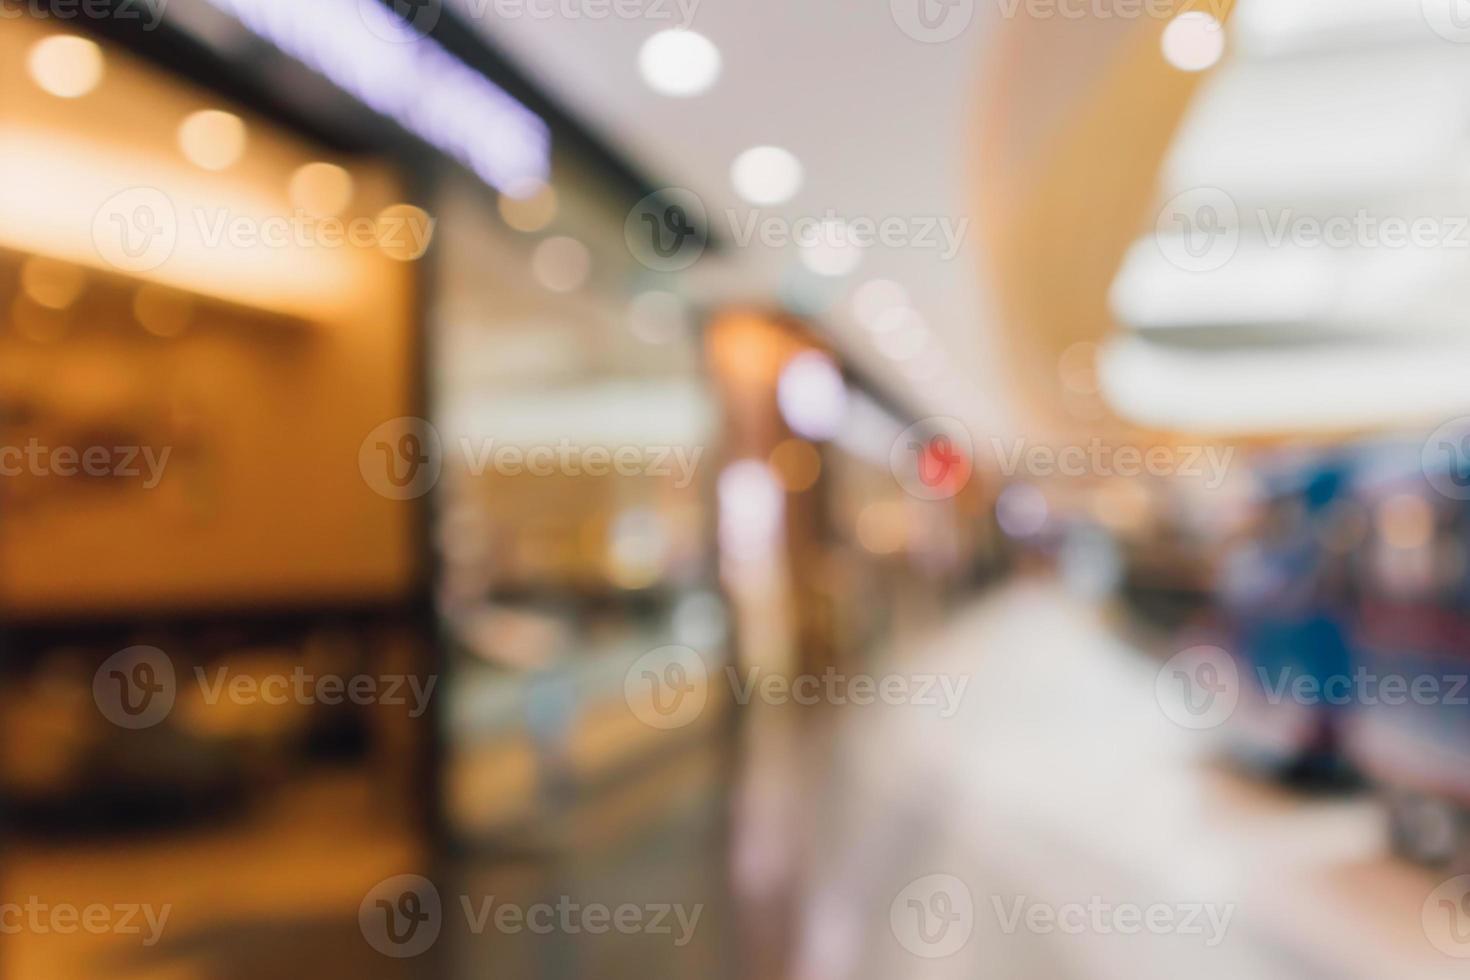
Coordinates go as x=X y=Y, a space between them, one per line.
x=331 y=347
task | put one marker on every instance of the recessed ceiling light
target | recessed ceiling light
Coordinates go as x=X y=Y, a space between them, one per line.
x=1193 y=41
x=322 y=189
x=766 y=175
x=212 y=139
x=679 y=62
x=65 y=65
x=830 y=251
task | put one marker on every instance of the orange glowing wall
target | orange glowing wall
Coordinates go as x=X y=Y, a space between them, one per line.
x=262 y=376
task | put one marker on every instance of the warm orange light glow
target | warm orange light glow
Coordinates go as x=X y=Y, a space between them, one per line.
x=55 y=201
x=52 y=284
x=321 y=189
x=882 y=527
x=531 y=209
x=212 y=139
x=797 y=463
x=405 y=232
x=163 y=312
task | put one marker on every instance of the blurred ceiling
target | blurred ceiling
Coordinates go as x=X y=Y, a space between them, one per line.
x=882 y=123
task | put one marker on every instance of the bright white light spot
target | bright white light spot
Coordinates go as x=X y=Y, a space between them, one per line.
x=812 y=396
x=638 y=544
x=1021 y=510
x=828 y=250
x=1193 y=41
x=66 y=66
x=766 y=175
x=875 y=298
x=679 y=63
x=752 y=509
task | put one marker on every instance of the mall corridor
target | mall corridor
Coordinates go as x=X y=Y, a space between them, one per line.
x=734 y=489
x=1054 y=782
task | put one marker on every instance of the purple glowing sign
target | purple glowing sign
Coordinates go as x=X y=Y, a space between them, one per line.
x=369 y=51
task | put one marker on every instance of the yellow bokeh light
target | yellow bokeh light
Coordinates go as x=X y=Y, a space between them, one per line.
x=52 y=284
x=322 y=189
x=882 y=527
x=212 y=139
x=163 y=312
x=531 y=208
x=404 y=232
x=66 y=66
x=797 y=464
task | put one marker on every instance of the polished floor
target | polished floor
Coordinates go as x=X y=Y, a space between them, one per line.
x=1055 y=825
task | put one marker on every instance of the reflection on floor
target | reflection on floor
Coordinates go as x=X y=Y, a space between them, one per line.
x=1056 y=825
